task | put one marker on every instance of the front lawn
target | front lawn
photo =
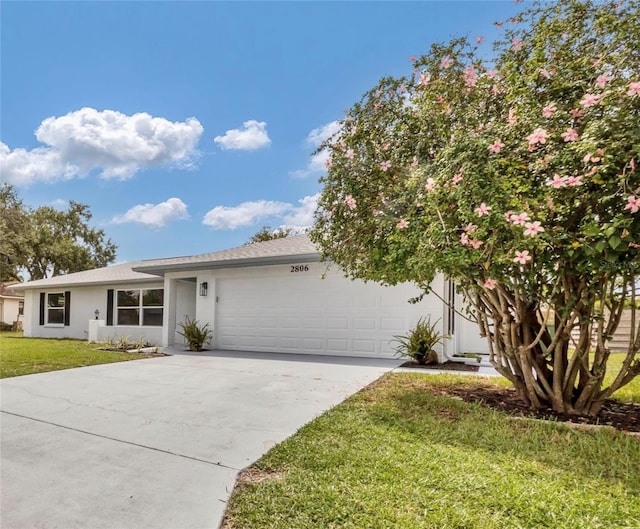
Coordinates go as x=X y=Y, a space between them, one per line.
x=402 y=453
x=23 y=356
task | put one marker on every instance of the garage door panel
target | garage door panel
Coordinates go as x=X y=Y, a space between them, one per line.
x=307 y=314
x=337 y=346
x=365 y=323
x=337 y=324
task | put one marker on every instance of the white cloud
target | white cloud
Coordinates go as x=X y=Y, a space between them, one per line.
x=251 y=213
x=59 y=203
x=246 y=214
x=115 y=144
x=302 y=216
x=315 y=138
x=253 y=135
x=154 y=215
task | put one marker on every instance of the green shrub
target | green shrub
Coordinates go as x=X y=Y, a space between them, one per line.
x=419 y=343
x=5 y=327
x=195 y=334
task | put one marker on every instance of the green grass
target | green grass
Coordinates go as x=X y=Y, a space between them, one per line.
x=24 y=356
x=396 y=455
x=628 y=393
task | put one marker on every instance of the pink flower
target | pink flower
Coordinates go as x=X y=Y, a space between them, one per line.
x=470 y=77
x=516 y=44
x=457 y=178
x=589 y=100
x=589 y=157
x=545 y=73
x=424 y=79
x=492 y=74
x=402 y=224
x=350 y=154
x=385 y=165
x=429 y=185
x=470 y=228
x=632 y=164
x=633 y=204
x=537 y=136
x=558 y=181
x=549 y=110
x=412 y=58
x=522 y=257
x=576 y=113
x=602 y=80
x=574 y=181
x=533 y=228
x=634 y=89
x=446 y=62
x=350 y=201
x=475 y=244
x=479 y=39
x=512 y=119
x=490 y=284
x=464 y=239
x=496 y=146
x=519 y=219
x=570 y=135
x=328 y=162
x=482 y=209
x=414 y=162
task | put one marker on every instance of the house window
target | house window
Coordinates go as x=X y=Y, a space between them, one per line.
x=55 y=308
x=20 y=308
x=140 y=307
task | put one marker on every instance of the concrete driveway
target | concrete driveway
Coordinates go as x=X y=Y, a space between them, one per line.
x=155 y=443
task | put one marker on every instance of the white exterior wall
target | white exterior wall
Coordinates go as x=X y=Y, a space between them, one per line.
x=468 y=339
x=84 y=302
x=332 y=315
x=9 y=310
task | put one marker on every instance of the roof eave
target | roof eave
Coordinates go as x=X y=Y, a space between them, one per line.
x=26 y=286
x=160 y=270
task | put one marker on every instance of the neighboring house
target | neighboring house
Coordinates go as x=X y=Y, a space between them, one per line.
x=11 y=304
x=272 y=296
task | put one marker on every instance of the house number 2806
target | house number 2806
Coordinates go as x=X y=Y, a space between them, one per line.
x=299 y=268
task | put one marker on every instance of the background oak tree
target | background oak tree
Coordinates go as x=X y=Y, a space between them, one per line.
x=46 y=242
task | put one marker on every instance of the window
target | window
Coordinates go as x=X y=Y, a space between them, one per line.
x=140 y=307
x=20 y=308
x=55 y=308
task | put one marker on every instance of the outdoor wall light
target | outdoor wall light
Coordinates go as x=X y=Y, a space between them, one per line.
x=97 y=314
x=204 y=286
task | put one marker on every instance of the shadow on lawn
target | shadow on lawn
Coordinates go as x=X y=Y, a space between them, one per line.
x=433 y=414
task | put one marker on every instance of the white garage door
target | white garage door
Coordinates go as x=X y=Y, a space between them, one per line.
x=299 y=312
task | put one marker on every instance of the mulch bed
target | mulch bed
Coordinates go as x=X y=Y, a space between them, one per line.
x=447 y=366
x=620 y=415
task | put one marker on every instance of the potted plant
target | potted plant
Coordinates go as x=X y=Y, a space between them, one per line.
x=195 y=335
x=420 y=342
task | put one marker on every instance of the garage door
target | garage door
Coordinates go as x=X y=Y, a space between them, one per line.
x=303 y=313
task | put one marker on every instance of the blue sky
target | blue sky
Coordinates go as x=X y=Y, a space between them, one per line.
x=187 y=126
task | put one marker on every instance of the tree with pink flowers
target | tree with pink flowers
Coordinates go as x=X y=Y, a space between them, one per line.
x=516 y=177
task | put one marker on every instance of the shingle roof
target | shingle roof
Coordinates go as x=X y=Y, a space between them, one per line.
x=261 y=253
x=6 y=290
x=120 y=273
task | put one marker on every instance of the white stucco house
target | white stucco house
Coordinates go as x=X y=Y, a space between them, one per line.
x=11 y=304
x=272 y=296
